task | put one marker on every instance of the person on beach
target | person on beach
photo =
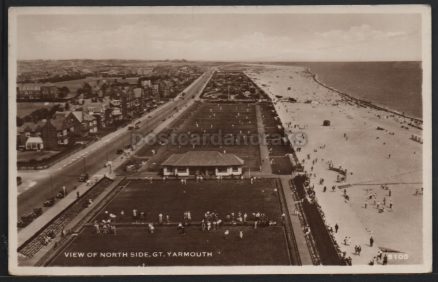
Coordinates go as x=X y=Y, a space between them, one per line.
x=371 y=241
x=325 y=189
x=379 y=255
x=336 y=228
x=385 y=260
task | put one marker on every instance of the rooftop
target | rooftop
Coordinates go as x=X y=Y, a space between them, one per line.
x=203 y=158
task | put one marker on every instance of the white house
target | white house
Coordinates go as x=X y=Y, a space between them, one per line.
x=34 y=143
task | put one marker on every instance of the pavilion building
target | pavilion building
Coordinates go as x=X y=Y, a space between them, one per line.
x=205 y=163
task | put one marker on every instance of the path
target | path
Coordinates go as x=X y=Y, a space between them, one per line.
x=264 y=151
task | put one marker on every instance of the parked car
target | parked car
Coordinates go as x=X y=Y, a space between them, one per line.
x=83 y=177
x=50 y=202
x=38 y=211
x=27 y=218
x=21 y=224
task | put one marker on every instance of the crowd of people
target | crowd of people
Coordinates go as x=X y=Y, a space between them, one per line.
x=210 y=221
x=105 y=226
x=384 y=205
x=380 y=258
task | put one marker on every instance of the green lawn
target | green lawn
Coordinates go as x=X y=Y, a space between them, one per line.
x=25 y=108
x=173 y=198
x=261 y=246
x=29 y=155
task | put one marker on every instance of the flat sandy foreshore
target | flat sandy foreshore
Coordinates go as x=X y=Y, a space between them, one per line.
x=374 y=146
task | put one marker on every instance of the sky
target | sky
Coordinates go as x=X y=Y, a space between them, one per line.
x=225 y=37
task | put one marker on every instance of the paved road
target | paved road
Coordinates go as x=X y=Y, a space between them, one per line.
x=94 y=159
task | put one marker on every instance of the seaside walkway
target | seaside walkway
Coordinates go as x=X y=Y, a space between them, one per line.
x=264 y=151
x=303 y=250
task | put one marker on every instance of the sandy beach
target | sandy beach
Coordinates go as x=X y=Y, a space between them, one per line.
x=375 y=147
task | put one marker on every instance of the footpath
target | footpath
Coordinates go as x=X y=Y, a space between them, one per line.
x=264 y=151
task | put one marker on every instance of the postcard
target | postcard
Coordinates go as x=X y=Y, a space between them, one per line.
x=220 y=140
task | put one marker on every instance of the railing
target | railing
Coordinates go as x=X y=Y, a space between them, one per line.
x=310 y=241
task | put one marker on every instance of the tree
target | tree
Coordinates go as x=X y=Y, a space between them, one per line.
x=20 y=121
x=87 y=90
x=63 y=92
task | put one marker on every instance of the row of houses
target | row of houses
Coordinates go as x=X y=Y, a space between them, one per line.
x=51 y=134
x=87 y=117
x=34 y=91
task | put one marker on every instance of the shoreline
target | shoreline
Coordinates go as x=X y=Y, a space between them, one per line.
x=354 y=128
x=361 y=102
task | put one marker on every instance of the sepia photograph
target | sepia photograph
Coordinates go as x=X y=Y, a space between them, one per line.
x=220 y=140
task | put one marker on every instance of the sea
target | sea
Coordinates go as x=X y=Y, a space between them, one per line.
x=393 y=85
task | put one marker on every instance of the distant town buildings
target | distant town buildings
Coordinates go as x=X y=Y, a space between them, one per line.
x=101 y=99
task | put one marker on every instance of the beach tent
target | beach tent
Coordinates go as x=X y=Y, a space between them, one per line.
x=326 y=123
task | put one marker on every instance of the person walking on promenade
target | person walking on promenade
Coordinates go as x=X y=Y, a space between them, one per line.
x=336 y=228
x=371 y=241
